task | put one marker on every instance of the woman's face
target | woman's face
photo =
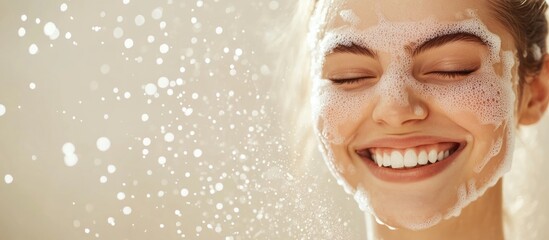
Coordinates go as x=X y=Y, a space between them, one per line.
x=414 y=103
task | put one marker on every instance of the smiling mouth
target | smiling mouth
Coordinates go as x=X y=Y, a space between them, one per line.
x=413 y=157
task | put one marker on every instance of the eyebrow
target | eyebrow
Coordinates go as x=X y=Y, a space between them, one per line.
x=355 y=49
x=429 y=44
x=445 y=39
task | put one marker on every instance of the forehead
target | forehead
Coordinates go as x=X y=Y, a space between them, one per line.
x=362 y=14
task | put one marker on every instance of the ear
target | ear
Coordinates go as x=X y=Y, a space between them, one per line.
x=535 y=96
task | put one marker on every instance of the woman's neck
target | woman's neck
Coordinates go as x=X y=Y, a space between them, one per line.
x=482 y=219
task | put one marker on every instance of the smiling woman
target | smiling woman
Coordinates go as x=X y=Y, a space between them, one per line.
x=416 y=105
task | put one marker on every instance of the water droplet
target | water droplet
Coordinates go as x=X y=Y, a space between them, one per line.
x=51 y=30
x=144 y=117
x=33 y=49
x=63 y=7
x=139 y=20
x=163 y=82
x=105 y=68
x=21 y=32
x=103 y=144
x=162 y=160
x=169 y=137
x=218 y=30
x=8 y=178
x=164 y=48
x=157 y=13
x=150 y=89
x=184 y=192
x=111 y=169
x=118 y=32
x=127 y=210
x=197 y=153
x=128 y=43
x=120 y=196
x=2 y=110
x=32 y=86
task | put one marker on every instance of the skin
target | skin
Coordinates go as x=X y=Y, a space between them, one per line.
x=379 y=118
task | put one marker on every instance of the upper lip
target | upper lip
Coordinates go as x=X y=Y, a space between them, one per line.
x=406 y=142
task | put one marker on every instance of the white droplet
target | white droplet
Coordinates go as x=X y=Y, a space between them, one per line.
x=169 y=137
x=68 y=148
x=24 y=18
x=127 y=210
x=238 y=52
x=120 y=196
x=197 y=153
x=118 y=32
x=150 y=89
x=63 y=7
x=111 y=221
x=33 y=49
x=157 y=13
x=128 y=43
x=144 y=117
x=146 y=142
x=103 y=179
x=2 y=110
x=70 y=160
x=111 y=169
x=32 y=86
x=68 y=35
x=49 y=28
x=8 y=178
x=125 y=2
x=21 y=32
x=219 y=186
x=164 y=48
x=184 y=192
x=163 y=82
x=105 y=68
x=103 y=144
x=162 y=160
x=139 y=20
x=218 y=30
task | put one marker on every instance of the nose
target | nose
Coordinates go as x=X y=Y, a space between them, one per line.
x=396 y=112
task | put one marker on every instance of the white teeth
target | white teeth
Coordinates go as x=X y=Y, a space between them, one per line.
x=432 y=156
x=397 y=161
x=379 y=159
x=422 y=158
x=410 y=158
x=386 y=160
x=395 y=158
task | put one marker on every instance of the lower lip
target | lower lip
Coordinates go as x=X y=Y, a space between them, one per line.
x=401 y=175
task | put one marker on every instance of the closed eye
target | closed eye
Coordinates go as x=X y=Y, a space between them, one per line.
x=340 y=81
x=453 y=74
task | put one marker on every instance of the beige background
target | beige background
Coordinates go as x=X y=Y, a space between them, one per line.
x=81 y=94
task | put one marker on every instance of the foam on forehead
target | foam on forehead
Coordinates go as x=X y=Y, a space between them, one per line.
x=396 y=36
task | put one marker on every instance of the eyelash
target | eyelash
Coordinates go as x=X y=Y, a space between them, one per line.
x=453 y=74
x=448 y=74
x=348 y=80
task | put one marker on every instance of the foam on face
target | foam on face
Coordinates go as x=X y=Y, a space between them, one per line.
x=488 y=95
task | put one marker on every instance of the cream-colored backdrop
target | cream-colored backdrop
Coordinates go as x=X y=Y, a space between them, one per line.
x=181 y=90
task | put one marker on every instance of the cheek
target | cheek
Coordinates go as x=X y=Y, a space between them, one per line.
x=336 y=112
x=487 y=98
